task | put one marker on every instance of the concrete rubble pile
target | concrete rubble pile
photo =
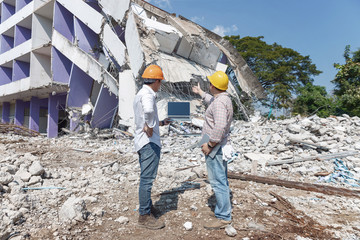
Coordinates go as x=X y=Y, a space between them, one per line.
x=97 y=177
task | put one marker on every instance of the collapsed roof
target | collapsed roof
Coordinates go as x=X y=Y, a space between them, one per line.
x=186 y=52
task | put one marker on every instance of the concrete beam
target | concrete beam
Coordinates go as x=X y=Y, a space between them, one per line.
x=84 y=13
x=85 y=62
x=133 y=44
x=115 y=8
x=127 y=92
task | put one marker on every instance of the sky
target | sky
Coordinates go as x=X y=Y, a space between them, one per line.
x=317 y=28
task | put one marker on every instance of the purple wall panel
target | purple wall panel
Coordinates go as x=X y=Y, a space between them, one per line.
x=64 y=21
x=19 y=112
x=44 y=103
x=61 y=67
x=55 y=103
x=94 y=4
x=5 y=75
x=104 y=110
x=6 y=43
x=20 y=70
x=21 y=35
x=7 y=11
x=120 y=31
x=74 y=122
x=6 y=112
x=21 y=3
x=34 y=114
x=80 y=88
x=87 y=39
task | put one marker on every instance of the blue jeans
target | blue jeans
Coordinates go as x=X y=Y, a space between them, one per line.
x=217 y=175
x=149 y=157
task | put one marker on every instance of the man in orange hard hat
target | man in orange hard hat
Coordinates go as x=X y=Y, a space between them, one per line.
x=147 y=142
x=218 y=118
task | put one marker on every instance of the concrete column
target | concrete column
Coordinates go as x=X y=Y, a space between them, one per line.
x=34 y=114
x=19 y=112
x=53 y=116
x=6 y=112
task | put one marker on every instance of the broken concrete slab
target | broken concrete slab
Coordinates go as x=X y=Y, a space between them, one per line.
x=85 y=62
x=127 y=92
x=113 y=44
x=133 y=44
x=115 y=8
x=85 y=13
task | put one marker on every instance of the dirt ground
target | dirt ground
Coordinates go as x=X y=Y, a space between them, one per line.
x=260 y=211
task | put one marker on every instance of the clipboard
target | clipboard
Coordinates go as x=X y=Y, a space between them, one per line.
x=205 y=138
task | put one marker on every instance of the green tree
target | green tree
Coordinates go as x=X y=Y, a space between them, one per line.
x=347 y=83
x=313 y=99
x=280 y=70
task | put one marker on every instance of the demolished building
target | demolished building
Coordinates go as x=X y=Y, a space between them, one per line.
x=69 y=61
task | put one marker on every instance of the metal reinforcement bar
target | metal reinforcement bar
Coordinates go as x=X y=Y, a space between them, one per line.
x=16 y=129
x=318 y=157
x=297 y=185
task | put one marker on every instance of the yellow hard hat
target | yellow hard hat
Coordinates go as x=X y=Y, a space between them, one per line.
x=219 y=80
x=153 y=72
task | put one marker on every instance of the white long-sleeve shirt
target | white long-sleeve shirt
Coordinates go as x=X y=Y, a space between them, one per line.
x=145 y=111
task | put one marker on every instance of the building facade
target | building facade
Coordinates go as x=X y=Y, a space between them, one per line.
x=63 y=62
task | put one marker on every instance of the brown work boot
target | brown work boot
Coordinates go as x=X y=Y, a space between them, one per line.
x=150 y=222
x=216 y=223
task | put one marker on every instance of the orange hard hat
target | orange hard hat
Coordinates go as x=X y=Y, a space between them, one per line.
x=153 y=72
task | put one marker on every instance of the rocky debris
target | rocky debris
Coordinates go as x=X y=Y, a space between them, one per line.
x=188 y=226
x=230 y=231
x=5 y=178
x=36 y=169
x=73 y=209
x=94 y=184
x=122 y=220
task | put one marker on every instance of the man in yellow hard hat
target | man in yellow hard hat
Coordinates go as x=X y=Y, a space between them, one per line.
x=147 y=142
x=218 y=118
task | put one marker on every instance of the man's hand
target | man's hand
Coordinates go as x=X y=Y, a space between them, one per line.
x=166 y=121
x=197 y=90
x=205 y=149
x=148 y=131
